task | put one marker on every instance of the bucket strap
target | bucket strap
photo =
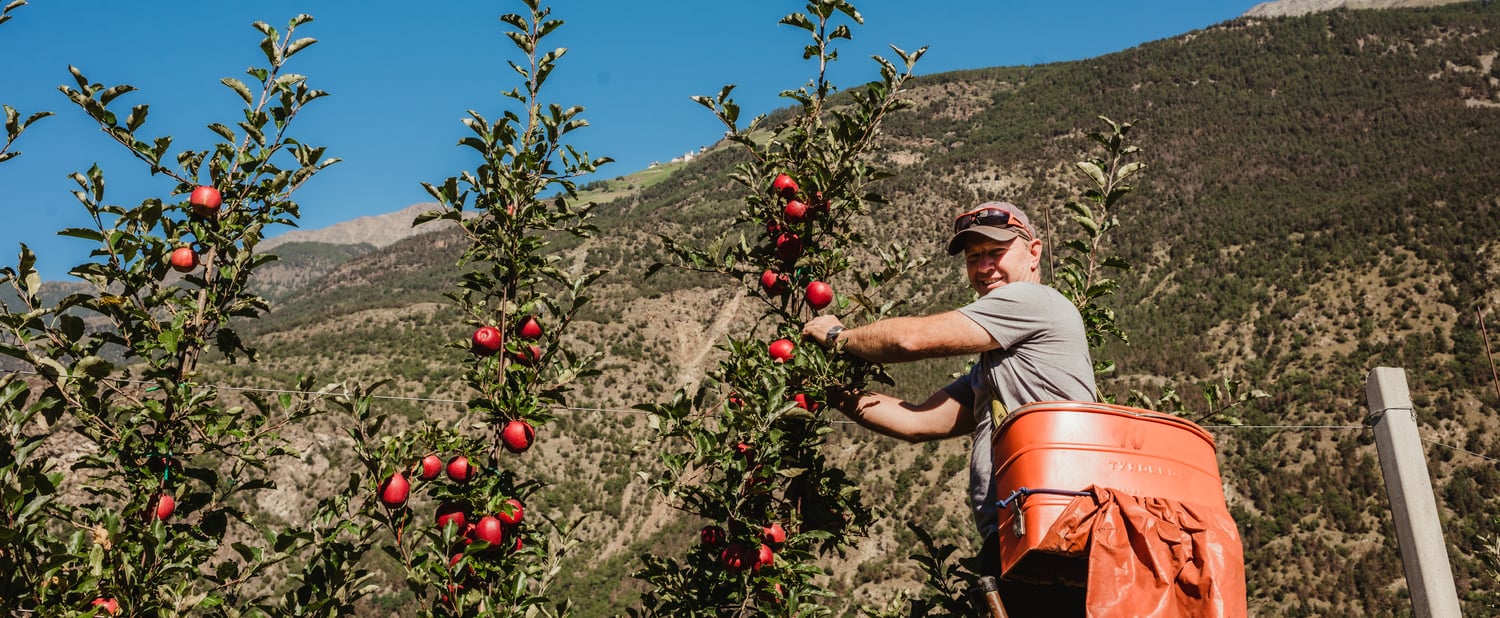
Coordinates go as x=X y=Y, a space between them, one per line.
x=1013 y=502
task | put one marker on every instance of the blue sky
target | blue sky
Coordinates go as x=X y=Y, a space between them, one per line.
x=401 y=75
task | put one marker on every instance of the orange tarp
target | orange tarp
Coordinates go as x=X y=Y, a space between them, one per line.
x=1152 y=556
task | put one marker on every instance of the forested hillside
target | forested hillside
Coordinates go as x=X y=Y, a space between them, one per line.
x=1320 y=199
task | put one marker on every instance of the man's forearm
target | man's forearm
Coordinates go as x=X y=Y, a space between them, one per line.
x=937 y=418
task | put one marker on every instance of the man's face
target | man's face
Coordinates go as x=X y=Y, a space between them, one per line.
x=991 y=264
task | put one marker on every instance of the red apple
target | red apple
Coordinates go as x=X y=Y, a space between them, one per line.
x=518 y=545
x=165 y=506
x=819 y=294
x=459 y=469
x=795 y=211
x=788 y=246
x=764 y=557
x=184 y=259
x=451 y=513
x=393 y=491
x=784 y=186
x=488 y=340
x=733 y=557
x=744 y=450
x=711 y=536
x=432 y=466
x=489 y=530
x=773 y=282
x=109 y=605
x=205 y=201
x=517 y=436
x=773 y=534
x=782 y=350
x=528 y=355
x=820 y=203
x=516 y=513
x=531 y=329
x=772 y=595
x=804 y=402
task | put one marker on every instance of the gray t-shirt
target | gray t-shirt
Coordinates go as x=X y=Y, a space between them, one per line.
x=1043 y=356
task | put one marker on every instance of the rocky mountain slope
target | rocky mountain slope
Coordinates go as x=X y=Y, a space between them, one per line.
x=1284 y=8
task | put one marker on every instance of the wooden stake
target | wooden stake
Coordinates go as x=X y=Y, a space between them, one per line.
x=1485 y=334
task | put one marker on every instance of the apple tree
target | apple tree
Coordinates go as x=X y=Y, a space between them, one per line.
x=746 y=453
x=472 y=541
x=146 y=508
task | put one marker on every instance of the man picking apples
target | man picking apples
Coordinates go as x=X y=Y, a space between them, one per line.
x=1031 y=344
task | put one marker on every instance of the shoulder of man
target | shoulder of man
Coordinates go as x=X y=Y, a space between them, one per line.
x=1022 y=290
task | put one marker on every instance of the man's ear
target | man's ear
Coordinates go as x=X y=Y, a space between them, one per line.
x=1036 y=254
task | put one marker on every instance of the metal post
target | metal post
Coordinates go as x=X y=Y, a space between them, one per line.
x=1419 y=534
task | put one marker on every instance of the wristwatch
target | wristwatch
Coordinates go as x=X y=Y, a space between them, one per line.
x=833 y=336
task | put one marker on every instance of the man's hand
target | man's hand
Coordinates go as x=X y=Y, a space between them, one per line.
x=816 y=329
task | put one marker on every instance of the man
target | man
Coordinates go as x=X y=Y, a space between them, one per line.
x=1030 y=340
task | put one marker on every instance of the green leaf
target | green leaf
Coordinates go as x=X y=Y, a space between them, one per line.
x=168 y=340
x=239 y=88
x=94 y=367
x=1094 y=173
x=298 y=45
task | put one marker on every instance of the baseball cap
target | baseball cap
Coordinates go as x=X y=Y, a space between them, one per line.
x=1000 y=221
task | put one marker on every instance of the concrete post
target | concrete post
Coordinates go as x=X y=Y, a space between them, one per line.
x=1419 y=534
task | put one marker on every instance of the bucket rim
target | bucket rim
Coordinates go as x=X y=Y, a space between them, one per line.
x=1094 y=407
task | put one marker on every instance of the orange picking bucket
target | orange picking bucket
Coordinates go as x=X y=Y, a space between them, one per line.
x=1046 y=454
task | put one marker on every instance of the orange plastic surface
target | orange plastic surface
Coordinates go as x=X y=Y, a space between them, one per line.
x=1069 y=445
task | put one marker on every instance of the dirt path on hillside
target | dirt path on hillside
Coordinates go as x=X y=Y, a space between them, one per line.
x=691 y=372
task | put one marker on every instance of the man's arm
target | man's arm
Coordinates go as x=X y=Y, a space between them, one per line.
x=895 y=340
x=941 y=416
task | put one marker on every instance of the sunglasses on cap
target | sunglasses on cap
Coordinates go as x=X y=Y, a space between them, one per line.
x=992 y=217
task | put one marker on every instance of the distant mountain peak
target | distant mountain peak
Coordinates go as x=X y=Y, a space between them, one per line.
x=378 y=230
x=1284 y=8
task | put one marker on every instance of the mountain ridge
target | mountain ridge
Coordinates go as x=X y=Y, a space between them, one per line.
x=1293 y=8
x=379 y=230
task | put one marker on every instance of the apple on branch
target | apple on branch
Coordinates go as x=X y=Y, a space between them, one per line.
x=512 y=513
x=166 y=505
x=490 y=530
x=774 y=283
x=205 y=201
x=432 y=466
x=517 y=436
x=394 y=490
x=184 y=259
x=782 y=350
x=784 y=186
x=460 y=470
x=819 y=295
x=795 y=211
x=487 y=340
x=451 y=513
x=788 y=246
x=531 y=329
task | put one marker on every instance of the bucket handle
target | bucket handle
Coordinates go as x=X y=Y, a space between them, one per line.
x=1018 y=523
